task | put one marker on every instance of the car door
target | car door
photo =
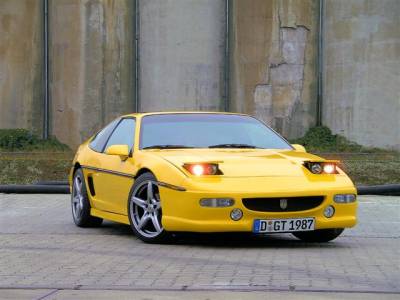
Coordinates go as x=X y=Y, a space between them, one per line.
x=113 y=179
x=93 y=163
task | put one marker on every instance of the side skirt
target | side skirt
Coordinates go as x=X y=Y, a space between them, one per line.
x=109 y=216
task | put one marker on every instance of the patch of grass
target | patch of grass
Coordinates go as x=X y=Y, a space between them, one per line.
x=25 y=158
x=27 y=168
x=369 y=168
x=364 y=165
x=24 y=164
x=367 y=172
x=321 y=139
x=24 y=140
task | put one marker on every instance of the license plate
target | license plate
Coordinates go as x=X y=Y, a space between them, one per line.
x=284 y=225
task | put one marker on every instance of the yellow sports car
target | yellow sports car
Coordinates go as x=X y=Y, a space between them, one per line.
x=207 y=172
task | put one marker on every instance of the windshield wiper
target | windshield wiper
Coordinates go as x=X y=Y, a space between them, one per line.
x=166 y=147
x=233 y=146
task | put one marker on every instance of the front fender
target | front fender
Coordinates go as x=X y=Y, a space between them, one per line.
x=161 y=168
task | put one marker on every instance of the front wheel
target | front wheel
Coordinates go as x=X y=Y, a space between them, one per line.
x=144 y=210
x=319 y=235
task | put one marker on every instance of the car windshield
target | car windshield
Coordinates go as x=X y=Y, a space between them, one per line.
x=174 y=131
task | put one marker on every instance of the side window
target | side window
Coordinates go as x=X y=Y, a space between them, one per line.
x=97 y=143
x=124 y=134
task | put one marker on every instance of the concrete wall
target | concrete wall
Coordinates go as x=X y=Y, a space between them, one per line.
x=182 y=42
x=273 y=62
x=182 y=54
x=362 y=71
x=91 y=63
x=21 y=55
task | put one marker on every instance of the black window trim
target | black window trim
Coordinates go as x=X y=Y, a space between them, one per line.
x=119 y=122
x=94 y=136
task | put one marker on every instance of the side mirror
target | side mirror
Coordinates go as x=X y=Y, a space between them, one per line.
x=299 y=148
x=121 y=150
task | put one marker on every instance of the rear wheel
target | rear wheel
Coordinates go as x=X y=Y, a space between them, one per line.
x=144 y=210
x=80 y=203
x=319 y=235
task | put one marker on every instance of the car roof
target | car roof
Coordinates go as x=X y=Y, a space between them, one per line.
x=141 y=114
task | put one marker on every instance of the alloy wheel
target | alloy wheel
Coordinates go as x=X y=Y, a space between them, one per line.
x=77 y=198
x=145 y=209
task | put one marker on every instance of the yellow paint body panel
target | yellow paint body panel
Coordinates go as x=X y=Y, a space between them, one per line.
x=184 y=213
x=248 y=173
x=109 y=216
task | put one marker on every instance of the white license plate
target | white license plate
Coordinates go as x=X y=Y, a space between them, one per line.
x=284 y=225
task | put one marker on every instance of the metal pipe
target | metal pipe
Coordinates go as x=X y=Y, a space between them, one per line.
x=46 y=69
x=137 y=70
x=34 y=189
x=320 y=62
x=226 y=58
x=386 y=189
x=63 y=188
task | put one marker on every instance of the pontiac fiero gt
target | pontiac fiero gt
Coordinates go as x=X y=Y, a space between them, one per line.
x=207 y=172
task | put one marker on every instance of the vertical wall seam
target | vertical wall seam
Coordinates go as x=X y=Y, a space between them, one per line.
x=320 y=63
x=103 y=31
x=226 y=58
x=45 y=70
x=137 y=70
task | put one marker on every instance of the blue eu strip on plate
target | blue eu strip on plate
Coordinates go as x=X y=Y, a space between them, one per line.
x=256 y=227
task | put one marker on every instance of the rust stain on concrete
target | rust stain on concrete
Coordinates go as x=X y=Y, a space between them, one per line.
x=274 y=49
x=21 y=62
x=272 y=64
x=92 y=65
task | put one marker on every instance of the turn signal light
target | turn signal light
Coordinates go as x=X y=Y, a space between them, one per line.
x=217 y=202
x=345 y=198
x=202 y=169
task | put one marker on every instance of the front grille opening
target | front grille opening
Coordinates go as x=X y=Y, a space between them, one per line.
x=287 y=203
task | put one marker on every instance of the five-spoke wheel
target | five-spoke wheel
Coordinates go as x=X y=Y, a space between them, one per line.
x=77 y=198
x=80 y=203
x=144 y=209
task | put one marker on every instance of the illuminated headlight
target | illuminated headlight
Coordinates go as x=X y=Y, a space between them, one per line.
x=321 y=167
x=203 y=169
x=217 y=202
x=329 y=211
x=329 y=168
x=197 y=170
x=344 y=198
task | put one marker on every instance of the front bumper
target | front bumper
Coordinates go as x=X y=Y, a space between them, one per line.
x=182 y=211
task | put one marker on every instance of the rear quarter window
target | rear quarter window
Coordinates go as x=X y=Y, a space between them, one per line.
x=98 y=142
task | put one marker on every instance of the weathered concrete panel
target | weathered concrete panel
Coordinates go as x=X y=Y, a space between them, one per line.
x=91 y=61
x=182 y=54
x=362 y=71
x=21 y=54
x=273 y=62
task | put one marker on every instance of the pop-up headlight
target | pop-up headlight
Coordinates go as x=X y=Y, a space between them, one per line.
x=321 y=167
x=200 y=169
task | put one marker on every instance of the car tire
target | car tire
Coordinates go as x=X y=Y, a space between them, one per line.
x=144 y=210
x=319 y=235
x=80 y=203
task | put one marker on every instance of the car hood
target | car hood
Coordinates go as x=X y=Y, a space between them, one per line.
x=243 y=162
